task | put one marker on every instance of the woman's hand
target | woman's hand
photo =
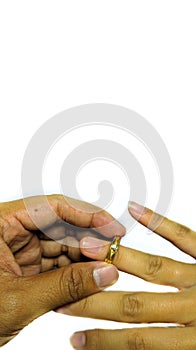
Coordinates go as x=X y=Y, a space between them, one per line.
x=25 y=251
x=176 y=307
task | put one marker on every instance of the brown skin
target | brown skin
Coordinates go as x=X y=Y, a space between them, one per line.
x=25 y=252
x=141 y=307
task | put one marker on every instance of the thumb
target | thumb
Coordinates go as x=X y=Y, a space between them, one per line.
x=51 y=290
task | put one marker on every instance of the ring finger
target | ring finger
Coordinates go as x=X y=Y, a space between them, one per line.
x=150 y=267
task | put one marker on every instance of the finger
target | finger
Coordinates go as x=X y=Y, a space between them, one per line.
x=137 y=307
x=56 y=231
x=136 y=338
x=52 y=289
x=29 y=257
x=50 y=263
x=59 y=232
x=46 y=211
x=52 y=248
x=7 y=260
x=30 y=253
x=69 y=246
x=83 y=214
x=30 y=270
x=45 y=265
x=180 y=235
x=152 y=268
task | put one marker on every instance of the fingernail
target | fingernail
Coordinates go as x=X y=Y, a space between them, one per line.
x=92 y=244
x=78 y=340
x=65 y=310
x=105 y=276
x=136 y=209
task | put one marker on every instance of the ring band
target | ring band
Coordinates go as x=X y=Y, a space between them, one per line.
x=113 y=250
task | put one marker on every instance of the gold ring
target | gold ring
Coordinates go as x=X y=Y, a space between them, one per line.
x=113 y=250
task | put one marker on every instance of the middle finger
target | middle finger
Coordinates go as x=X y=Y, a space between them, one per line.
x=137 y=307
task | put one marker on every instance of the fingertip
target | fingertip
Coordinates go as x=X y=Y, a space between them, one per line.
x=136 y=210
x=94 y=247
x=89 y=242
x=78 y=340
x=119 y=229
x=105 y=276
x=107 y=225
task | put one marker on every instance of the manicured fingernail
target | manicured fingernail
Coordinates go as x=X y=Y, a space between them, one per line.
x=105 y=276
x=136 y=209
x=78 y=340
x=92 y=245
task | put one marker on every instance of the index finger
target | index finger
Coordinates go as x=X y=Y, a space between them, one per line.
x=181 y=236
x=41 y=212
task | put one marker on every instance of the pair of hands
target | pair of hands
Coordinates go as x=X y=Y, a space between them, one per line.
x=25 y=293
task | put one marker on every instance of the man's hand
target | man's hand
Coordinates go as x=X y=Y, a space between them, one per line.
x=25 y=252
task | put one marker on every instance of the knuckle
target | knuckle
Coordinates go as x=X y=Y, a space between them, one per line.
x=182 y=231
x=12 y=295
x=13 y=303
x=85 y=305
x=177 y=344
x=74 y=284
x=119 y=259
x=94 y=339
x=131 y=307
x=12 y=309
x=135 y=341
x=153 y=266
x=155 y=221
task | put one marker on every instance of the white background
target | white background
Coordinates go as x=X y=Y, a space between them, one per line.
x=59 y=54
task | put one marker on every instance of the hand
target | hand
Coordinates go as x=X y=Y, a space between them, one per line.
x=25 y=251
x=177 y=307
